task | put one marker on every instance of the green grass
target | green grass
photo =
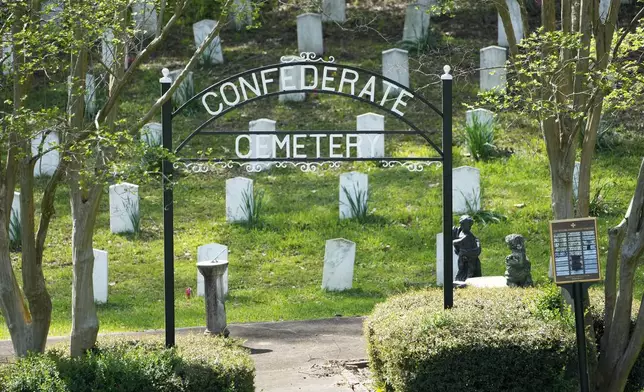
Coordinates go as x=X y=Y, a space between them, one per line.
x=276 y=268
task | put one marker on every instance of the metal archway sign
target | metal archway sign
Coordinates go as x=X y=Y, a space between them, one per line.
x=316 y=75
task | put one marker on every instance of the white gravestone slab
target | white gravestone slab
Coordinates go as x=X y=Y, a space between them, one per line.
x=238 y=191
x=90 y=95
x=395 y=66
x=517 y=24
x=152 y=134
x=371 y=145
x=339 y=258
x=51 y=9
x=14 y=219
x=242 y=13
x=291 y=79
x=47 y=164
x=6 y=54
x=185 y=91
x=309 y=33
x=334 y=11
x=440 y=266
x=492 y=73
x=416 y=22
x=261 y=146
x=108 y=49
x=483 y=116
x=210 y=252
x=575 y=180
x=100 y=277
x=466 y=188
x=124 y=207
x=357 y=186
x=145 y=17
x=213 y=53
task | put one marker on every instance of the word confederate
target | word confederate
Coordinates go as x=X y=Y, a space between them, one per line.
x=328 y=78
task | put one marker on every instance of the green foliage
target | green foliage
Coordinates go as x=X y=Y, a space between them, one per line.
x=15 y=232
x=198 y=363
x=489 y=341
x=481 y=215
x=133 y=214
x=600 y=205
x=479 y=139
x=549 y=305
x=357 y=203
x=430 y=41
x=252 y=206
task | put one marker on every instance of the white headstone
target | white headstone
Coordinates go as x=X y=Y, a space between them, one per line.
x=440 y=266
x=371 y=145
x=46 y=142
x=207 y=253
x=604 y=6
x=395 y=66
x=483 y=116
x=14 y=219
x=416 y=22
x=90 y=95
x=242 y=13
x=427 y=3
x=124 y=207
x=239 y=191
x=334 y=11
x=517 y=24
x=492 y=72
x=6 y=54
x=466 y=189
x=213 y=53
x=144 y=15
x=309 y=33
x=261 y=146
x=108 y=50
x=100 y=277
x=152 y=134
x=185 y=91
x=356 y=186
x=291 y=79
x=339 y=258
x=575 y=180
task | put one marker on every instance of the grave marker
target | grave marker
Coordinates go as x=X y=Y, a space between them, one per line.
x=261 y=146
x=517 y=24
x=7 y=54
x=242 y=14
x=309 y=33
x=339 y=258
x=466 y=189
x=353 y=185
x=144 y=15
x=100 y=277
x=185 y=90
x=482 y=116
x=91 y=108
x=108 y=51
x=124 y=208
x=213 y=54
x=210 y=252
x=416 y=23
x=395 y=66
x=14 y=219
x=151 y=134
x=334 y=11
x=239 y=192
x=575 y=180
x=371 y=145
x=492 y=73
x=291 y=79
x=440 y=266
x=47 y=164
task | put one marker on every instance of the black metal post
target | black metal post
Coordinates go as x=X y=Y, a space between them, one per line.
x=448 y=273
x=168 y=214
x=578 y=296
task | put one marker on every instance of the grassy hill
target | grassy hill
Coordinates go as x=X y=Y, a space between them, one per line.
x=276 y=268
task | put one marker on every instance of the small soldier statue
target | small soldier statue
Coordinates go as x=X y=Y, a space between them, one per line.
x=468 y=249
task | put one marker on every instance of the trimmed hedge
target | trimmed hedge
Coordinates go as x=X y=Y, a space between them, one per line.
x=198 y=363
x=492 y=340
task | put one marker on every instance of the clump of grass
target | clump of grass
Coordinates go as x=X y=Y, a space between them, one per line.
x=134 y=215
x=599 y=203
x=481 y=215
x=252 y=206
x=479 y=139
x=357 y=202
x=422 y=45
x=15 y=233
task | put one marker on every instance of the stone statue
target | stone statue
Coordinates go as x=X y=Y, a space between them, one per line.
x=468 y=249
x=517 y=265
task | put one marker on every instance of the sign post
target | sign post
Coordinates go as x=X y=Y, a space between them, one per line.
x=575 y=259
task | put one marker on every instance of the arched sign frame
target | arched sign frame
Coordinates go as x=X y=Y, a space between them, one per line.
x=202 y=164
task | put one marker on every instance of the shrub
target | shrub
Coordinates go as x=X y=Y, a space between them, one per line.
x=479 y=139
x=489 y=341
x=198 y=364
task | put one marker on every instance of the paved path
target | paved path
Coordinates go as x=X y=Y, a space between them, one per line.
x=293 y=355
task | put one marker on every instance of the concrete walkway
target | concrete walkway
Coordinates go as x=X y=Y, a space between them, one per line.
x=293 y=355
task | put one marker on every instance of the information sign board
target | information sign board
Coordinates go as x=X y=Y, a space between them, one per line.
x=575 y=255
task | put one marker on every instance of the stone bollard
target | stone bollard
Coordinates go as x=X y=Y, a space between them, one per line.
x=213 y=273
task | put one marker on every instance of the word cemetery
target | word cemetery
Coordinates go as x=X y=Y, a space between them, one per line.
x=294 y=146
